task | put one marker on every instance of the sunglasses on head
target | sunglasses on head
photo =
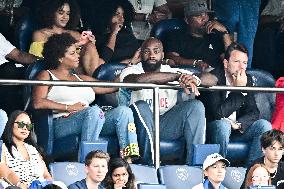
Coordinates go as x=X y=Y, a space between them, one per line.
x=21 y=124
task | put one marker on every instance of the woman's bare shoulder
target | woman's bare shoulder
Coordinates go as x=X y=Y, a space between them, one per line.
x=41 y=35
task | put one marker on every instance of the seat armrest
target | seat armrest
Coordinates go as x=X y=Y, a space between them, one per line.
x=43 y=120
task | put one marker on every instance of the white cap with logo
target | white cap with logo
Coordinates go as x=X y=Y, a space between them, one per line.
x=213 y=158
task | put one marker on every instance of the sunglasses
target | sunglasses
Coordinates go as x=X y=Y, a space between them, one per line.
x=21 y=124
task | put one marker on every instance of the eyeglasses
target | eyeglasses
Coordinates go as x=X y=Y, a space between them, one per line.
x=22 y=124
x=264 y=177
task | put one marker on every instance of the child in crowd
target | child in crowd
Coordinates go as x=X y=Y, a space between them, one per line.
x=119 y=175
x=214 y=168
x=258 y=175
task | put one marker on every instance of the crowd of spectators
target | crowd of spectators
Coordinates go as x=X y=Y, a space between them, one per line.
x=74 y=46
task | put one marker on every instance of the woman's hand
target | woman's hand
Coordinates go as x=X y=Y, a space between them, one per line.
x=116 y=27
x=86 y=36
x=136 y=58
x=119 y=184
x=76 y=107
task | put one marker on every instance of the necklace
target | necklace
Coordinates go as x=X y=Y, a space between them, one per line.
x=274 y=174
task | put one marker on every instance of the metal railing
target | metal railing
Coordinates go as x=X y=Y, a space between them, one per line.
x=155 y=88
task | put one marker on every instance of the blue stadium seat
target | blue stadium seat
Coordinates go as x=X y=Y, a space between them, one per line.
x=234 y=177
x=24 y=32
x=144 y=174
x=164 y=27
x=1 y=142
x=151 y=186
x=67 y=172
x=201 y=151
x=86 y=147
x=180 y=176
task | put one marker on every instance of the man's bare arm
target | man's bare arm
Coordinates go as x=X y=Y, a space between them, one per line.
x=21 y=57
x=153 y=77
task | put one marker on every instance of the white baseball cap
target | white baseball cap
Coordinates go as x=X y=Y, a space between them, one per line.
x=213 y=158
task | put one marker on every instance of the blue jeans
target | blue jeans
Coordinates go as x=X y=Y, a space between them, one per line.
x=220 y=132
x=186 y=119
x=240 y=16
x=92 y=121
x=3 y=121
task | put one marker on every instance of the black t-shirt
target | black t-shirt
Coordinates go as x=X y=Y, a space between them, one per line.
x=277 y=179
x=207 y=48
x=125 y=46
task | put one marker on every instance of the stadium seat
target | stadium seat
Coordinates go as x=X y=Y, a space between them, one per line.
x=234 y=177
x=164 y=27
x=180 y=176
x=201 y=151
x=1 y=142
x=144 y=174
x=237 y=151
x=86 y=147
x=24 y=32
x=67 y=172
x=151 y=186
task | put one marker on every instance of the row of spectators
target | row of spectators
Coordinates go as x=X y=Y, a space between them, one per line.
x=22 y=164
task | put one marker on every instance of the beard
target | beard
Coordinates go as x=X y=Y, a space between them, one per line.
x=151 y=67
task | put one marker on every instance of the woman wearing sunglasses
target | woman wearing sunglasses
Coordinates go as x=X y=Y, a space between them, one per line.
x=20 y=159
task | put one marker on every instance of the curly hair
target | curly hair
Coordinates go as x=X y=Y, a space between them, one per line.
x=100 y=19
x=48 y=9
x=8 y=132
x=55 y=48
x=114 y=164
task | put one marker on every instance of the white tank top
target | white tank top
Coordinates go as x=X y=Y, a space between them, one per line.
x=69 y=95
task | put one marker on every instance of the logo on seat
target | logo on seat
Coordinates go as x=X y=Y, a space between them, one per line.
x=182 y=174
x=236 y=175
x=71 y=169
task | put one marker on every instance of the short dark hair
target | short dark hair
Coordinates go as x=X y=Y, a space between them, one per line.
x=235 y=46
x=150 y=39
x=55 y=48
x=8 y=132
x=96 y=154
x=269 y=137
x=48 y=8
x=114 y=164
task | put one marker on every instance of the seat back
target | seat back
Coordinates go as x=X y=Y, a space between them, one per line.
x=144 y=174
x=108 y=72
x=151 y=186
x=1 y=142
x=180 y=176
x=265 y=101
x=31 y=74
x=164 y=27
x=67 y=172
x=24 y=32
x=201 y=151
x=234 y=177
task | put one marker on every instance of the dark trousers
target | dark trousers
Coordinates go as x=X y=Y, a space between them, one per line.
x=11 y=97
